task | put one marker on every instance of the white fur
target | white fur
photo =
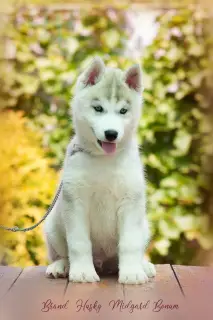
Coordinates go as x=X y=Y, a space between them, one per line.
x=102 y=205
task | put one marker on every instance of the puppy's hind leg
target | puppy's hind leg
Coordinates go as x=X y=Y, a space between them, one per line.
x=148 y=267
x=59 y=268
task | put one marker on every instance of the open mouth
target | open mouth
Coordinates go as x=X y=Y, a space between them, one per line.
x=108 y=147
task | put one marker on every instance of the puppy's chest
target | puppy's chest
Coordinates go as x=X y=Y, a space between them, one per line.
x=106 y=192
x=103 y=218
x=106 y=181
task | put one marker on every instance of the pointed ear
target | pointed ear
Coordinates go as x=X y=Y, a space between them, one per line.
x=94 y=72
x=133 y=78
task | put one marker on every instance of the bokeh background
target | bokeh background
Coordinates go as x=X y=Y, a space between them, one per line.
x=43 y=50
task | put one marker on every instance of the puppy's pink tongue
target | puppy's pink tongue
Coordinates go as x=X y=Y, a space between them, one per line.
x=108 y=147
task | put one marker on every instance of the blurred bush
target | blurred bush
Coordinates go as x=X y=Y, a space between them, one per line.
x=48 y=51
x=26 y=189
x=175 y=134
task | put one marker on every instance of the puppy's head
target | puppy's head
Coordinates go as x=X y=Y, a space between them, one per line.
x=107 y=106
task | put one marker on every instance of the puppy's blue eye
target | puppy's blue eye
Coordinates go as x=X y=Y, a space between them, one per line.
x=98 y=109
x=123 y=111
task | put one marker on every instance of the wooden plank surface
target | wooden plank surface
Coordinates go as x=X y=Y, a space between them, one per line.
x=8 y=276
x=91 y=301
x=197 y=285
x=27 y=297
x=30 y=295
x=193 y=278
x=161 y=298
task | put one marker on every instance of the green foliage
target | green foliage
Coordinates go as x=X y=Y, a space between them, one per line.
x=173 y=132
x=25 y=194
x=51 y=48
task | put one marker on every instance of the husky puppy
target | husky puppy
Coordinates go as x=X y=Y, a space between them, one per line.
x=100 y=214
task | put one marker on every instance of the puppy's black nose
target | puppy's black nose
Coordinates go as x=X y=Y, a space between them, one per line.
x=111 y=135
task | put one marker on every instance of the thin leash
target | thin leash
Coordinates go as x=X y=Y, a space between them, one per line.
x=16 y=229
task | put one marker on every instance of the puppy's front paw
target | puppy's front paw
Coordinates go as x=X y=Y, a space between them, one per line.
x=58 y=269
x=80 y=273
x=132 y=275
x=149 y=269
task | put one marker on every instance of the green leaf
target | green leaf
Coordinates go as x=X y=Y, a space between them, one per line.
x=169 y=229
x=110 y=38
x=162 y=246
x=182 y=141
x=186 y=223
